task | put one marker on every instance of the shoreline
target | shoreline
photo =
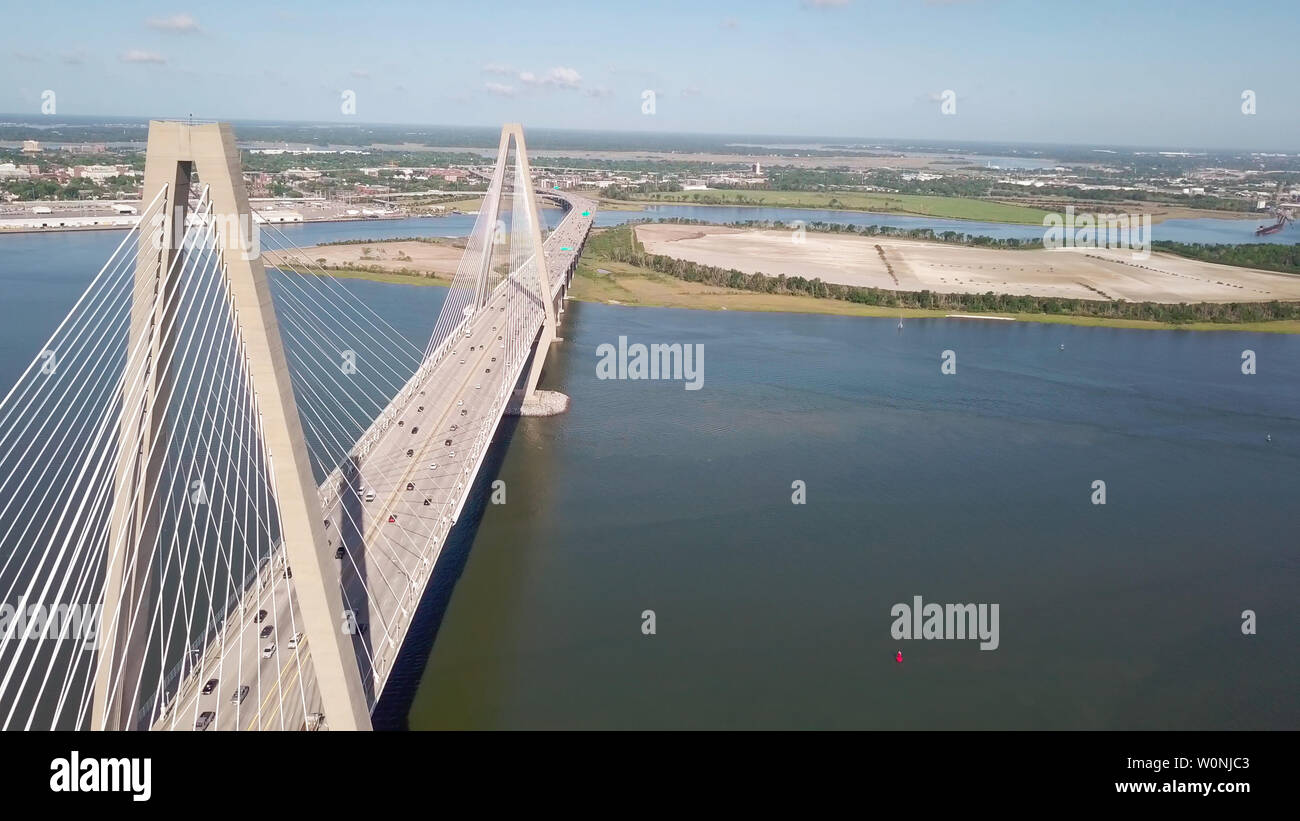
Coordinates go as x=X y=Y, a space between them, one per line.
x=645 y=289
x=63 y=229
x=854 y=310
x=629 y=289
x=752 y=302
x=637 y=205
x=386 y=278
x=601 y=278
x=53 y=229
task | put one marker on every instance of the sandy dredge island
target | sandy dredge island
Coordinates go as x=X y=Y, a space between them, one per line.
x=915 y=265
x=413 y=257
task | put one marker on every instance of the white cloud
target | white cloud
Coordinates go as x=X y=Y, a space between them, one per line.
x=731 y=23
x=176 y=24
x=27 y=56
x=824 y=4
x=558 y=77
x=135 y=55
x=598 y=91
x=360 y=73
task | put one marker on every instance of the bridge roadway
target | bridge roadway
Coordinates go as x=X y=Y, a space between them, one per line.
x=391 y=543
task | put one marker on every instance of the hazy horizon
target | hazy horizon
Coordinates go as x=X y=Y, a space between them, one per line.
x=1163 y=75
x=492 y=130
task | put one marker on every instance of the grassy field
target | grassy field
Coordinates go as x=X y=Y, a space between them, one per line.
x=598 y=279
x=946 y=207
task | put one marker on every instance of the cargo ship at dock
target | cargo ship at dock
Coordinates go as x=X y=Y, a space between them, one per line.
x=1265 y=230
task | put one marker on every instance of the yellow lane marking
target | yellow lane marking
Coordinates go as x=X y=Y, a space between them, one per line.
x=302 y=644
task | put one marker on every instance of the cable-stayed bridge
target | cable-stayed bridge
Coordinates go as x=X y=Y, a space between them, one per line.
x=225 y=481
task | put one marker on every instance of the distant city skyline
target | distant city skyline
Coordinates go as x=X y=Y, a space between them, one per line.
x=1162 y=75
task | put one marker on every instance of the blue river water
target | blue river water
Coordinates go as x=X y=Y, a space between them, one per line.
x=972 y=487
x=1204 y=230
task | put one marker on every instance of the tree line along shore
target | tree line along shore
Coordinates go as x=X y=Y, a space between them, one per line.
x=614 y=254
x=615 y=267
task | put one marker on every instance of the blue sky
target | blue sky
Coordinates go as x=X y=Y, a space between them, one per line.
x=1137 y=73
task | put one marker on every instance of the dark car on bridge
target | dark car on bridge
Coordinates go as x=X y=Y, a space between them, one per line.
x=205 y=720
x=414 y=429
x=209 y=687
x=261 y=615
x=410 y=485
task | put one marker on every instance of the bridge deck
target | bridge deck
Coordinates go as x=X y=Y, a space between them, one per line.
x=391 y=543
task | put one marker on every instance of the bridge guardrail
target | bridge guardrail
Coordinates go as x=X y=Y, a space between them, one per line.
x=330 y=489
